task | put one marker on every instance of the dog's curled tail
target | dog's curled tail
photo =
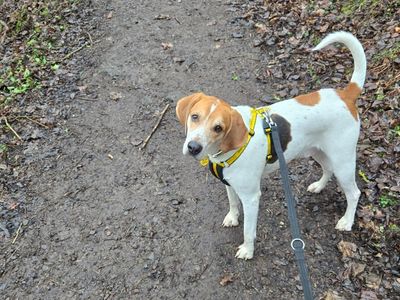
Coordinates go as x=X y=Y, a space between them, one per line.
x=356 y=49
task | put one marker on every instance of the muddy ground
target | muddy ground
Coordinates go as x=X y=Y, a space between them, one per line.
x=102 y=219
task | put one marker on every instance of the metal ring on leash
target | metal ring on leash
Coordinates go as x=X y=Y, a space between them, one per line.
x=295 y=240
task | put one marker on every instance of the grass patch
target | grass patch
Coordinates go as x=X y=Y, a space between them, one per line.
x=34 y=29
x=387 y=201
x=352 y=6
x=391 y=53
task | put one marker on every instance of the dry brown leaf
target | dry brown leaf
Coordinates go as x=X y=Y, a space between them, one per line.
x=373 y=281
x=368 y=295
x=347 y=249
x=115 y=96
x=357 y=268
x=167 y=46
x=82 y=88
x=260 y=28
x=333 y=295
x=226 y=280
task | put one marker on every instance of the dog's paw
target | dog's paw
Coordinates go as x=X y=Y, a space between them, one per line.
x=230 y=220
x=315 y=187
x=245 y=252
x=344 y=224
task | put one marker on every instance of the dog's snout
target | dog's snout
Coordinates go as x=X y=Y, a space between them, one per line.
x=194 y=148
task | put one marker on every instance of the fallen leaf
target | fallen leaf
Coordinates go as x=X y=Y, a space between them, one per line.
x=373 y=281
x=357 y=268
x=368 y=295
x=115 y=96
x=363 y=176
x=167 y=46
x=333 y=295
x=110 y=15
x=162 y=17
x=226 y=280
x=347 y=249
x=324 y=28
x=82 y=88
x=260 y=28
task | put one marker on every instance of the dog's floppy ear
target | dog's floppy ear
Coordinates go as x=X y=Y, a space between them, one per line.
x=184 y=105
x=236 y=134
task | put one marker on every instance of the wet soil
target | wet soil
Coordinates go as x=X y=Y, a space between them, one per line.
x=103 y=219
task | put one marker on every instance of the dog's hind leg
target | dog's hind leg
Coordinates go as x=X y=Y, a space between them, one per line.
x=325 y=163
x=232 y=217
x=344 y=169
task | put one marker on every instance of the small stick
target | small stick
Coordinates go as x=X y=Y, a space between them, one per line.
x=17 y=234
x=154 y=128
x=73 y=52
x=12 y=129
x=32 y=120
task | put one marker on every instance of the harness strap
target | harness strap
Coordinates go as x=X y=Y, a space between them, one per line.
x=217 y=171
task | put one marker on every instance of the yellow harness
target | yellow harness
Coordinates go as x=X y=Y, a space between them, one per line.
x=216 y=168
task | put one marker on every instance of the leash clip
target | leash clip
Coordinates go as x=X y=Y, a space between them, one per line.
x=268 y=119
x=297 y=240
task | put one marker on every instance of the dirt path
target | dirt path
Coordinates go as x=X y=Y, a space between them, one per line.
x=106 y=220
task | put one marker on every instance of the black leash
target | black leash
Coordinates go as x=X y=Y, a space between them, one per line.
x=297 y=243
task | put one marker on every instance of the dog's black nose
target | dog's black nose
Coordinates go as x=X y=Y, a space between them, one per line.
x=194 y=148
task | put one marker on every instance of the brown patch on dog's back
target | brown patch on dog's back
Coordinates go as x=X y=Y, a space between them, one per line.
x=349 y=96
x=284 y=135
x=310 y=99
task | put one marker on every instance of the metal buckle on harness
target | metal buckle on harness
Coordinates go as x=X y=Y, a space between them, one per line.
x=268 y=119
x=297 y=240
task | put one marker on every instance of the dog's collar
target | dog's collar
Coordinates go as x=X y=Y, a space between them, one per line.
x=216 y=168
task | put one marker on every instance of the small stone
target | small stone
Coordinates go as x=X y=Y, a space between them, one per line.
x=91 y=232
x=178 y=59
x=257 y=42
x=237 y=35
x=396 y=286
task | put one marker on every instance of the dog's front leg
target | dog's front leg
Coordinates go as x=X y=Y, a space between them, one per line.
x=232 y=217
x=250 y=201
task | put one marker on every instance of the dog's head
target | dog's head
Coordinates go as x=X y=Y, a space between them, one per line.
x=211 y=124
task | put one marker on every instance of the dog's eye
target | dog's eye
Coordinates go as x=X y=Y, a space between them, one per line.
x=195 y=117
x=217 y=128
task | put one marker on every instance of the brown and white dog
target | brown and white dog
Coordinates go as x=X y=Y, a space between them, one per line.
x=323 y=124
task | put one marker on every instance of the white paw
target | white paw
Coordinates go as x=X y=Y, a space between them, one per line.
x=230 y=220
x=245 y=252
x=344 y=224
x=316 y=187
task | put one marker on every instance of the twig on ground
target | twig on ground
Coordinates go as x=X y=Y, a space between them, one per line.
x=17 y=234
x=32 y=120
x=12 y=129
x=4 y=29
x=90 y=38
x=154 y=128
x=73 y=52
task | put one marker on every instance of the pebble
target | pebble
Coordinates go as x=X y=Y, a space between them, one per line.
x=237 y=35
x=257 y=42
